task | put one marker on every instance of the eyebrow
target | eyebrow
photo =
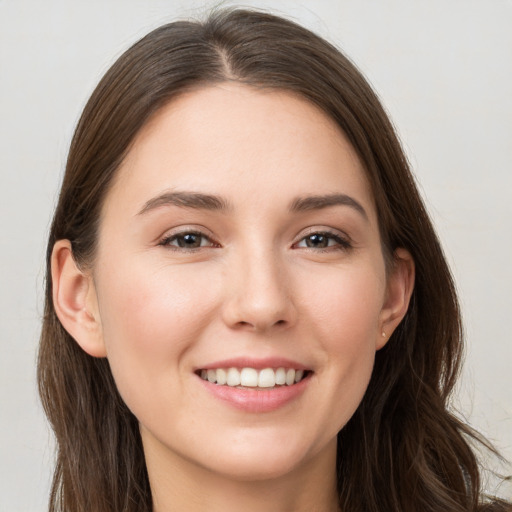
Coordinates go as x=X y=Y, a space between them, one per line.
x=193 y=200
x=318 y=202
x=200 y=201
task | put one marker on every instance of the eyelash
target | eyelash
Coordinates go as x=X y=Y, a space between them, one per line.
x=166 y=242
x=342 y=244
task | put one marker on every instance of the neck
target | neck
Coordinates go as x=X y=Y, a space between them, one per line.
x=179 y=485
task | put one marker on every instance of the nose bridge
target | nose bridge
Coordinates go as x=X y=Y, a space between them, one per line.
x=258 y=289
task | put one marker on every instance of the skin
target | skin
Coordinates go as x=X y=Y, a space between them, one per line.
x=254 y=288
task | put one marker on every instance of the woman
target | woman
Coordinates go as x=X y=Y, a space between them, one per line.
x=247 y=305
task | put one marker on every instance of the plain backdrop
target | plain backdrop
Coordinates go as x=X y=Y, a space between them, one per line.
x=443 y=69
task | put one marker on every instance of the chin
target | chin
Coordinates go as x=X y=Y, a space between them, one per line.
x=267 y=457
x=266 y=466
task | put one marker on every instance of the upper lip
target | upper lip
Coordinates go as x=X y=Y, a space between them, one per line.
x=257 y=364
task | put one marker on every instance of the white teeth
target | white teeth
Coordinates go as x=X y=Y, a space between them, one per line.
x=233 y=378
x=249 y=377
x=280 y=376
x=267 y=378
x=252 y=378
x=222 y=376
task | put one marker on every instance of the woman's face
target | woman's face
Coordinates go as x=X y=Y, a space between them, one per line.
x=240 y=241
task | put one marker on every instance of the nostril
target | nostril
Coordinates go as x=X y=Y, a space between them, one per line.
x=243 y=324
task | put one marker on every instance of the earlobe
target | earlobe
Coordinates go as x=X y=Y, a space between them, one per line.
x=74 y=299
x=399 y=287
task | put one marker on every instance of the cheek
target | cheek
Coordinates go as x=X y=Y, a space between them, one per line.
x=150 y=320
x=345 y=306
x=345 y=317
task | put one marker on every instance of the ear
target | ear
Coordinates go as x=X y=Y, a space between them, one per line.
x=74 y=300
x=399 y=287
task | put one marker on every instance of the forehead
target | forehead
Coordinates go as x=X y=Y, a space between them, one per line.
x=231 y=139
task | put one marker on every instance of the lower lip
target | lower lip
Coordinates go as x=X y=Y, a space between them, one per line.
x=261 y=400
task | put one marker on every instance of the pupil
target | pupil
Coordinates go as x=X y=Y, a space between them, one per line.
x=189 y=240
x=316 y=241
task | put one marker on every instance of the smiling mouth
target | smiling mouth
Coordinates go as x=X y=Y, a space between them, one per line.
x=251 y=378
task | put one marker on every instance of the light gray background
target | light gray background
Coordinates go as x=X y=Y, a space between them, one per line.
x=444 y=71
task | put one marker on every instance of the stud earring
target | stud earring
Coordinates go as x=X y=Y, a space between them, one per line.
x=383 y=334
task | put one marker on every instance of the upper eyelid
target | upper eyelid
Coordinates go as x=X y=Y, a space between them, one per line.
x=326 y=231
x=183 y=230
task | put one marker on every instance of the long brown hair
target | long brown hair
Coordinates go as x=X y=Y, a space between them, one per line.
x=402 y=450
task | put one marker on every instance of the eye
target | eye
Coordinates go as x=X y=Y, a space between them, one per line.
x=323 y=240
x=187 y=240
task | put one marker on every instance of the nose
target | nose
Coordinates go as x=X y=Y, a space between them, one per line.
x=259 y=294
